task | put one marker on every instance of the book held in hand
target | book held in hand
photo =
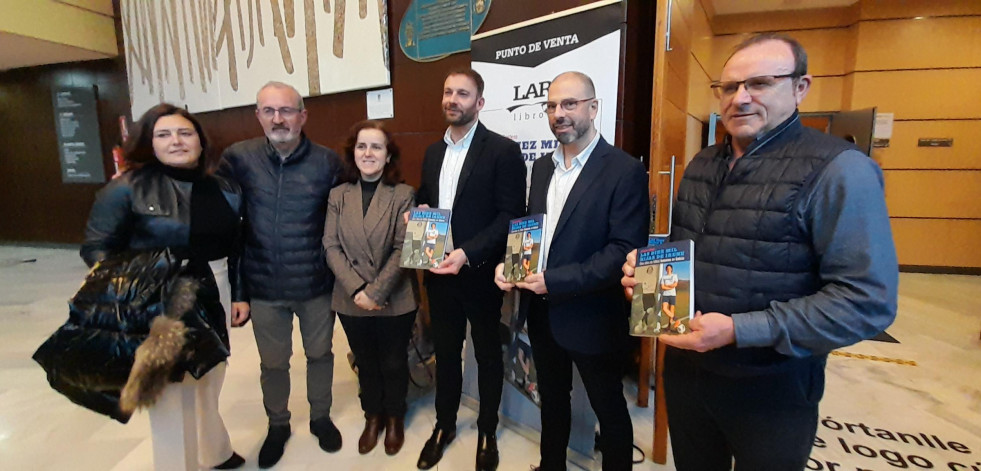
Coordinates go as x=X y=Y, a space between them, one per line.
x=662 y=301
x=425 y=238
x=523 y=255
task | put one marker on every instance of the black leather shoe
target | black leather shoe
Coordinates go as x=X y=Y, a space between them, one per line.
x=235 y=462
x=432 y=452
x=327 y=434
x=273 y=446
x=487 y=455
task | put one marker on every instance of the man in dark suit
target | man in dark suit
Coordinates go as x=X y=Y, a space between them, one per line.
x=595 y=196
x=480 y=176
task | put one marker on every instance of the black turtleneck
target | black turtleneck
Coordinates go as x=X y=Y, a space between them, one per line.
x=367 y=192
x=214 y=225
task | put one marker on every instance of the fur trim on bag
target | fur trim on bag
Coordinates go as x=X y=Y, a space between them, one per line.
x=160 y=352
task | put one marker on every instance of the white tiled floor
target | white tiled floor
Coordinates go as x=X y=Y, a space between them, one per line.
x=938 y=326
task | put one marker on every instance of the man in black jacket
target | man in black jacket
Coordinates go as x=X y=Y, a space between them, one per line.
x=480 y=176
x=595 y=199
x=285 y=180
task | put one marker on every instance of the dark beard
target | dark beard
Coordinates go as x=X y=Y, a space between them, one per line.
x=464 y=119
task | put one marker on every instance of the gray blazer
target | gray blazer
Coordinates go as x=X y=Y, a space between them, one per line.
x=366 y=250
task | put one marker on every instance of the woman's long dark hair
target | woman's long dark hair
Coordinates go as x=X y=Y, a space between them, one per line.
x=139 y=148
x=392 y=175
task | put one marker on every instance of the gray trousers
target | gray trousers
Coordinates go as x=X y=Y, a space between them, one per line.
x=272 y=323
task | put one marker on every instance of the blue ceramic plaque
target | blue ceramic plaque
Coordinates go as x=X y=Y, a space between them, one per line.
x=434 y=29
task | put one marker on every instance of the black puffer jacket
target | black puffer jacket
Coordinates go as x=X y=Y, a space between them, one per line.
x=140 y=231
x=285 y=208
x=90 y=357
x=147 y=209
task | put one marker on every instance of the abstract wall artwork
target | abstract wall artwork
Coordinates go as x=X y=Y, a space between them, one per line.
x=214 y=54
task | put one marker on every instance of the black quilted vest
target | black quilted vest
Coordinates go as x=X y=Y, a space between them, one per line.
x=751 y=247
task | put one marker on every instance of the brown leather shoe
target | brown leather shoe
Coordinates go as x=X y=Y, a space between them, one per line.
x=369 y=438
x=394 y=434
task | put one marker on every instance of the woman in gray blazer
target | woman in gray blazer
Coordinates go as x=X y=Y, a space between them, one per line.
x=372 y=294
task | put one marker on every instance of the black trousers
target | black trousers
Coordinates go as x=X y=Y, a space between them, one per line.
x=764 y=422
x=601 y=374
x=379 y=345
x=453 y=301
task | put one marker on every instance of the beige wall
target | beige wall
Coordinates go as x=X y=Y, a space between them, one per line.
x=80 y=23
x=918 y=59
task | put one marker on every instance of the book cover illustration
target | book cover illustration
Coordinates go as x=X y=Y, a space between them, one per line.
x=425 y=238
x=662 y=301
x=523 y=255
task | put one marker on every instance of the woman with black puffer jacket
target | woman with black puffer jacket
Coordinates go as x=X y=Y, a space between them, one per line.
x=169 y=197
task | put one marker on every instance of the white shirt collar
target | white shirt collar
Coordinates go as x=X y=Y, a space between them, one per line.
x=467 y=138
x=558 y=157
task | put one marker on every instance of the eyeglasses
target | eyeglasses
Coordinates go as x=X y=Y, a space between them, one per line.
x=754 y=85
x=285 y=112
x=567 y=105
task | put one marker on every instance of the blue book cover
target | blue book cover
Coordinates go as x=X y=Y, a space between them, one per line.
x=425 y=238
x=662 y=300
x=524 y=255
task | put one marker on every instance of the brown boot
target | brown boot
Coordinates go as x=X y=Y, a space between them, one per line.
x=369 y=438
x=394 y=434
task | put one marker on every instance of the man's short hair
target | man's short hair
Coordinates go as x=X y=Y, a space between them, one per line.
x=281 y=86
x=800 y=56
x=473 y=75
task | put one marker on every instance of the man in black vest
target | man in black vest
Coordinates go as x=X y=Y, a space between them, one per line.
x=480 y=176
x=794 y=258
x=285 y=180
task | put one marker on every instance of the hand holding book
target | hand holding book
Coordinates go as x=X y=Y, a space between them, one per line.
x=500 y=280
x=534 y=283
x=706 y=332
x=452 y=264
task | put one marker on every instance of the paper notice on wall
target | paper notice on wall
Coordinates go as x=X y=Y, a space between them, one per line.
x=882 y=132
x=381 y=104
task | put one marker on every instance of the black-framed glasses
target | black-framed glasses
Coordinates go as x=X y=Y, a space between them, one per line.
x=286 y=112
x=754 y=85
x=567 y=105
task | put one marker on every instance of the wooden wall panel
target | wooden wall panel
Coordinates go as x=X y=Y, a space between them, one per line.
x=920 y=94
x=693 y=139
x=676 y=85
x=825 y=95
x=785 y=20
x=919 y=44
x=678 y=57
x=674 y=137
x=937 y=242
x=903 y=152
x=881 y=9
x=828 y=50
x=701 y=100
x=702 y=39
x=934 y=194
